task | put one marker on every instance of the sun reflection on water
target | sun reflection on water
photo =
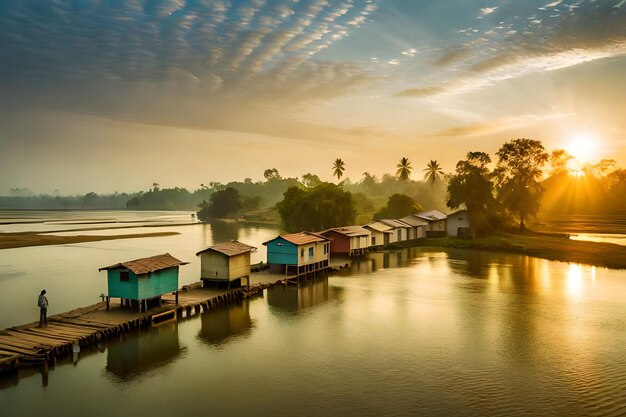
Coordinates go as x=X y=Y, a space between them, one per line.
x=575 y=283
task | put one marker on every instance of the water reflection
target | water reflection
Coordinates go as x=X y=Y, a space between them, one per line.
x=224 y=230
x=141 y=352
x=305 y=294
x=223 y=325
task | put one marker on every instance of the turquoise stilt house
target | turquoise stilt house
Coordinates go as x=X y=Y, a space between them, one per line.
x=298 y=253
x=143 y=281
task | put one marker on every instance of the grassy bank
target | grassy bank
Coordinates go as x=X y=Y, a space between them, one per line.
x=24 y=239
x=547 y=246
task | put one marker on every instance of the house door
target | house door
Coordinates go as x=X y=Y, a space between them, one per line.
x=386 y=238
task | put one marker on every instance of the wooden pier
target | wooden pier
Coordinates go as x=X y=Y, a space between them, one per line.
x=29 y=345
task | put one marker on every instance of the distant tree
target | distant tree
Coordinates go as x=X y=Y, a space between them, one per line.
x=156 y=186
x=321 y=207
x=251 y=203
x=223 y=204
x=311 y=180
x=338 y=168
x=404 y=169
x=90 y=198
x=558 y=161
x=398 y=205
x=471 y=185
x=601 y=168
x=433 y=172
x=272 y=174
x=518 y=173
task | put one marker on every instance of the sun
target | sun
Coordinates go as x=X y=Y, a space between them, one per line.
x=583 y=146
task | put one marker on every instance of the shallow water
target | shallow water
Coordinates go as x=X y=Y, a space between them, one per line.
x=418 y=332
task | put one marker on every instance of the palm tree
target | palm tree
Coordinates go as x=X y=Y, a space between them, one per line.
x=404 y=169
x=433 y=172
x=338 y=168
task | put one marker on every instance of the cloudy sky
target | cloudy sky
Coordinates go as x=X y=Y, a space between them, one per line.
x=115 y=95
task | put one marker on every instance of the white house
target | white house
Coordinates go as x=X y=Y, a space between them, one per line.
x=400 y=229
x=436 y=223
x=458 y=223
x=418 y=226
x=382 y=234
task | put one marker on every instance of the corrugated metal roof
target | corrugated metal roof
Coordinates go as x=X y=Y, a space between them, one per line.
x=301 y=238
x=394 y=223
x=379 y=227
x=230 y=248
x=413 y=220
x=350 y=231
x=432 y=215
x=145 y=265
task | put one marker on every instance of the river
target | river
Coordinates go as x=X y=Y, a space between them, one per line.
x=417 y=332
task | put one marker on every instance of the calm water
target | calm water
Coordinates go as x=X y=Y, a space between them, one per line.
x=69 y=273
x=413 y=332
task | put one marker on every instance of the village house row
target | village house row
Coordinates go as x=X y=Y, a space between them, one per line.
x=142 y=282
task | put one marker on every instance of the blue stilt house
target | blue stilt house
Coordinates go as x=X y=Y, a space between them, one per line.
x=143 y=281
x=298 y=253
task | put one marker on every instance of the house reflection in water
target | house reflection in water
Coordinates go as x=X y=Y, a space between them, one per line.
x=386 y=260
x=143 y=351
x=225 y=324
x=297 y=297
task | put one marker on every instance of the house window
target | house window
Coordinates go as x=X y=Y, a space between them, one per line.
x=399 y=234
x=302 y=253
x=124 y=275
x=311 y=252
x=325 y=248
x=373 y=240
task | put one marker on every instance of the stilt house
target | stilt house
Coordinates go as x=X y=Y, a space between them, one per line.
x=143 y=281
x=298 y=253
x=348 y=240
x=227 y=262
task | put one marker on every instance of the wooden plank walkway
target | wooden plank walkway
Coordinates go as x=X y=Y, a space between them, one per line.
x=29 y=344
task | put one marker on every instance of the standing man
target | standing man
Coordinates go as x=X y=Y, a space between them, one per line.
x=42 y=302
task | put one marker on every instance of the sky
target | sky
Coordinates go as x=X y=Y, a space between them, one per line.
x=115 y=95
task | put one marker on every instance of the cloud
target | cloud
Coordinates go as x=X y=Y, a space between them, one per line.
x=499 y=124
x=214 y=64
x=421 y=92
x=594 y=31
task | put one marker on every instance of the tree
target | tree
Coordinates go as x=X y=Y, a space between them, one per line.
x=471 y=185
x=398 y=205
x=321 y=207
x=222 y=204
x=338 y=168
x=311 y=180
x=559 y=159
x=518 y=173
x=272 y=174
x=433 y=172
x=404 y=169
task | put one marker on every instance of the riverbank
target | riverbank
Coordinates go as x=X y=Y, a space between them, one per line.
x=25 y=239
x=547 y=246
